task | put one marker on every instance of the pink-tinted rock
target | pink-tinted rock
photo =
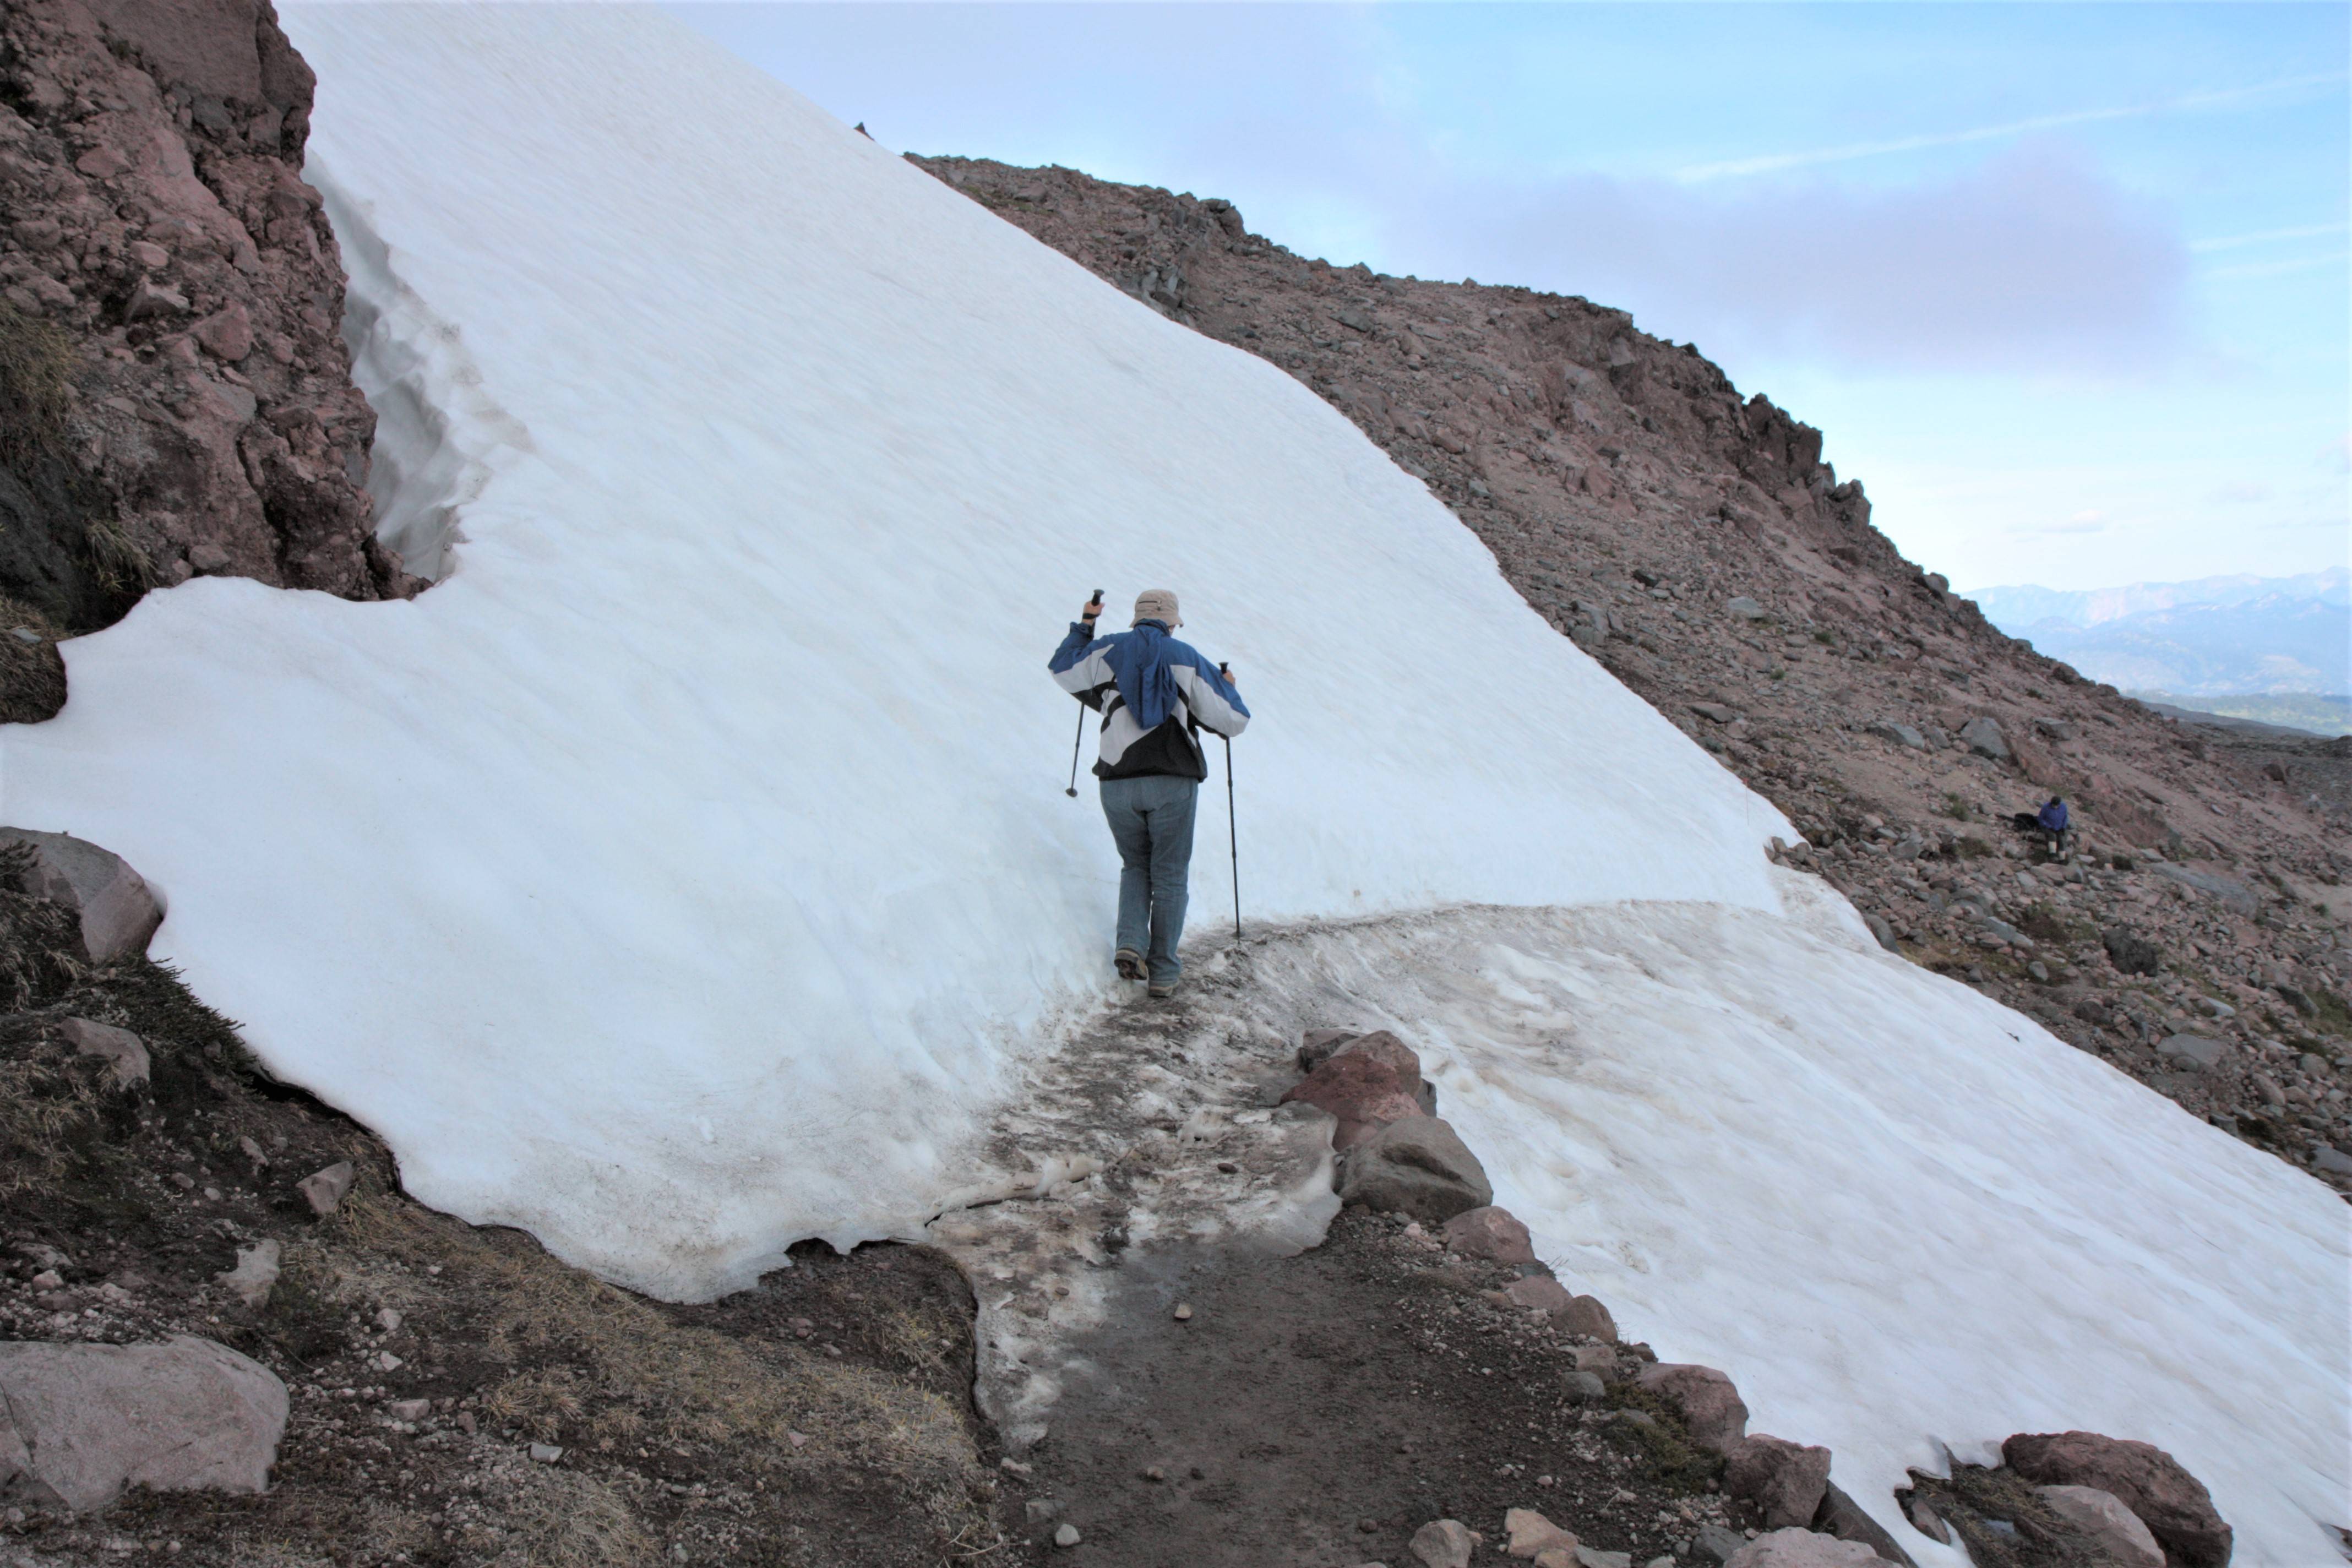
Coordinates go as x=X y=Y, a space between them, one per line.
x=1528 y=1534
x=150 y=299
x=1587 y=1316
x=1362 y=1091
x=1382 y=1047
x=102 y=163
x=1782 y=1481
x=2174 y=1505
x=1490 y=1233
x=227 y=332
x=272 y=470
x=323 y=1190
x=1540 y=1292
x=1802 y=1549
x=2101 y=1515
x=80 y=1423
x=1710 y=1407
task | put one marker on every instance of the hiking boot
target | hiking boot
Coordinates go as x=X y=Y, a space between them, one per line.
x=1160 y=989
x=1129 y=962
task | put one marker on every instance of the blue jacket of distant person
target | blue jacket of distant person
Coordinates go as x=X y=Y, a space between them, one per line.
x=2052 y=816
x=1152 y=689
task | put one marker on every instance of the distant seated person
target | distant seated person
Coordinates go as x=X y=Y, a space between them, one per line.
x=2052 y=820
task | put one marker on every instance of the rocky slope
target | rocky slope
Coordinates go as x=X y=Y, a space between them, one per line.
x=1694 y=542
x=175 y=397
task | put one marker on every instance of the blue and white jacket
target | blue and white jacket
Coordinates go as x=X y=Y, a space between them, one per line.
x=1151 y=690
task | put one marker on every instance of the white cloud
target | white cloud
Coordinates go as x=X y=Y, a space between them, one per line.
x=1777 y=162
x=2275 y=269
x=2241 y=492
x=2236 y=241
x=2031 y=262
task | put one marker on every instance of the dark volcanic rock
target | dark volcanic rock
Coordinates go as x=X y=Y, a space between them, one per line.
x=2174 y=1505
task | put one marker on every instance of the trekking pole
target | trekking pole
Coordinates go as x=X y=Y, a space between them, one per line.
x=1079 y=743
x=1232 y=832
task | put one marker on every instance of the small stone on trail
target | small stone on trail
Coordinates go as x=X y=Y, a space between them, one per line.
x=326 y=1189
x=1590 y=1558
x=1585 y=1315
x=255 y=1274
x=1183 y=1311
x=388 y=1321
x=1040 y=1509
x=1600 y=1359
x=409 y=1409
x=1490 y=1233
x=800 y=1440
x=1443 y=1543
x=1066 y=1536
x=1155 y=1474
x=1584 y=1387
x=545 y=1453
x=1528 y=1532
x=1802 y=1549
x=1009 y=1465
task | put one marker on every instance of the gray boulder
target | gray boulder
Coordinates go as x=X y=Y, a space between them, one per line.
x=1802 y=1549
x=1416 y=1165
x=79 y=1422
x=2192 y=1051
x=1710 y=1407
x=1901 y=734
x=2101 y=1515
x=1983 y=736
x=1782 y=1481
x=1743 y=608
x=125 y=1052
x=118 y=912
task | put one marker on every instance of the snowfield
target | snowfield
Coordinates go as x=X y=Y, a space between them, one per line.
x=690 y=871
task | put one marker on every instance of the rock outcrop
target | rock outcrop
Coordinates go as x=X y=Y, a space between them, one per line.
x=80 y=1423
x=175 y=399
x=2174 y=1505
x=114 y=910
x=1694 y=541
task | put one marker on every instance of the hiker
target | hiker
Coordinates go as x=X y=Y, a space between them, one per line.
x=1154 y=693
x=2050 y=821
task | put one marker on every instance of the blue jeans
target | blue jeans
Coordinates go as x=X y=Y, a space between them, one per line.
x=1151 y=821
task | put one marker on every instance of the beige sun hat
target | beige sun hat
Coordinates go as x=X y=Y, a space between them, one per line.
x=1158 y=604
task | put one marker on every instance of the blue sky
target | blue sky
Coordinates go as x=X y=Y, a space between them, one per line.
x=2067 y=286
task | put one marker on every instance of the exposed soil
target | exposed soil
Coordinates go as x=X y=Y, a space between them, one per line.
x=1316 y=1410
x=824 y=1417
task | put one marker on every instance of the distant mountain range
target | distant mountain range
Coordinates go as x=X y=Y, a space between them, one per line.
x=2216 y=637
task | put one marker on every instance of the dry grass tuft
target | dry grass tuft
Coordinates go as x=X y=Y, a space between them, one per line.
x=36 y=374
x=568 y=1519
